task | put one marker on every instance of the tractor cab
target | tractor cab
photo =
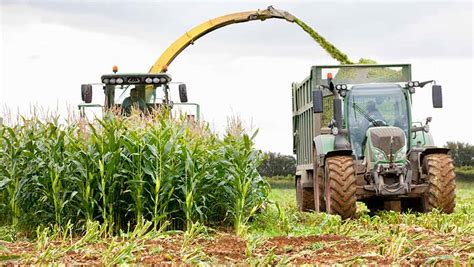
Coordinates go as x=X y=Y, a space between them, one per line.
x=376 y=105
x=144 y=92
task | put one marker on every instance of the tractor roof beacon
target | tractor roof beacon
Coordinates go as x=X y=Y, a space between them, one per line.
x=355 y=139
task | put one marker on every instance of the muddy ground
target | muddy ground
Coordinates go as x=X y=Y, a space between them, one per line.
x=224 y=248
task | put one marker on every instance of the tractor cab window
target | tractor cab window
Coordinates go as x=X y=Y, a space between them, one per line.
x=372 y=106
x=151 y=94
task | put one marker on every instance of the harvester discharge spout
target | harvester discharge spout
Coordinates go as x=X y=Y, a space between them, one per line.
x=271 y=12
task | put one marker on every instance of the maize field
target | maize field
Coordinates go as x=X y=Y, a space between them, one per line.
x=124 y=171
x=162 y=190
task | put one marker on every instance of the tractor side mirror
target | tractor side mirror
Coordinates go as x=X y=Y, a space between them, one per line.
x=318 y=101
x=86 y=93
x=183 y=94
x=437 y=96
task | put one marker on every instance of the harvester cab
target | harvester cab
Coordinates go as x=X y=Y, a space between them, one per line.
x=145 y=91
x=371 y=149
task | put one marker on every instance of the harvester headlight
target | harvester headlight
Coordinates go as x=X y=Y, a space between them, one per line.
x=156 y=80
x=148 y=80
x=416 y=83
x=343 y=93
x=344 y=87
x=379 y=155
x=401 y=154
x=163 y=80
x=412 y=90
x=112 y=81
x=334 y=130
x=410 y=84
x=105 y=80
x=338 y=87
x=119 y=80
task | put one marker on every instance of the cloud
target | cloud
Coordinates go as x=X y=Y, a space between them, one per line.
x=362 y=29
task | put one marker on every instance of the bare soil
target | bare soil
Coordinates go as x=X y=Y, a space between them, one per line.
x=225 y=248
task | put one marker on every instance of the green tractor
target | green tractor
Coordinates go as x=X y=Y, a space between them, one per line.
x=355 y=140
x=146 y=92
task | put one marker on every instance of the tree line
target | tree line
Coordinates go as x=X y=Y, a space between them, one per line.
x=462 y=153
x=277 y=164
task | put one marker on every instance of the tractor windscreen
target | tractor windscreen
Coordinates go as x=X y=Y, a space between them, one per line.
x=372 y=106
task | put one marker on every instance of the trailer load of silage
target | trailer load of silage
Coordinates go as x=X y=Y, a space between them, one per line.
x=369 y=74
x=121 y=171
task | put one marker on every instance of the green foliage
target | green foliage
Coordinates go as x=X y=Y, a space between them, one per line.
x=276 y=164
x=121 y=171
x=462 y=153
x=465 y=173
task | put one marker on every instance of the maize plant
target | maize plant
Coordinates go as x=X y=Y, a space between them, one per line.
x=124 y=171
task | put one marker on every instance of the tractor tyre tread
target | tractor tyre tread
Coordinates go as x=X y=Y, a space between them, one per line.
x=342 y=177
x=441 y=179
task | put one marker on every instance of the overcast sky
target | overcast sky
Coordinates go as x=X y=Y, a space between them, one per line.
x=49 y=48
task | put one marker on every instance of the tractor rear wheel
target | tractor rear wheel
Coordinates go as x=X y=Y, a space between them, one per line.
x=440 y=177
x=304 y=197
x=340 y=186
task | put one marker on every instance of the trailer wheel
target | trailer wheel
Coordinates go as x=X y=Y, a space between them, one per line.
x=318 y=183
x=304 y=196
x=441 y=179
x=318 y=172
x=340 y=186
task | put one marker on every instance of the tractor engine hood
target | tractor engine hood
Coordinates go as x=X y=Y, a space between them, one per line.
x=387 y=139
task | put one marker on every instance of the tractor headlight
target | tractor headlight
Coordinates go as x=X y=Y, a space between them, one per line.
x=338 y=87
x=401 y=154
x=379 y=155
x=344 y=87
x=343 y=93
x=119 y=80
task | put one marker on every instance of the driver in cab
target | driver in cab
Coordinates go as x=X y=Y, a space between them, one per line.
x=135 y=101
x=373 y=112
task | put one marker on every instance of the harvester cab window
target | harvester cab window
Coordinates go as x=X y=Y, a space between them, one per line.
x=373 y=106
x=153 y=96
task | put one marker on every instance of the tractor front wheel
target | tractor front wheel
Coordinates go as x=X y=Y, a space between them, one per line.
x=340 y=186
x=440 y=177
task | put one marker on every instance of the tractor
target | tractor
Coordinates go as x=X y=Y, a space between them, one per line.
x=355 y=140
